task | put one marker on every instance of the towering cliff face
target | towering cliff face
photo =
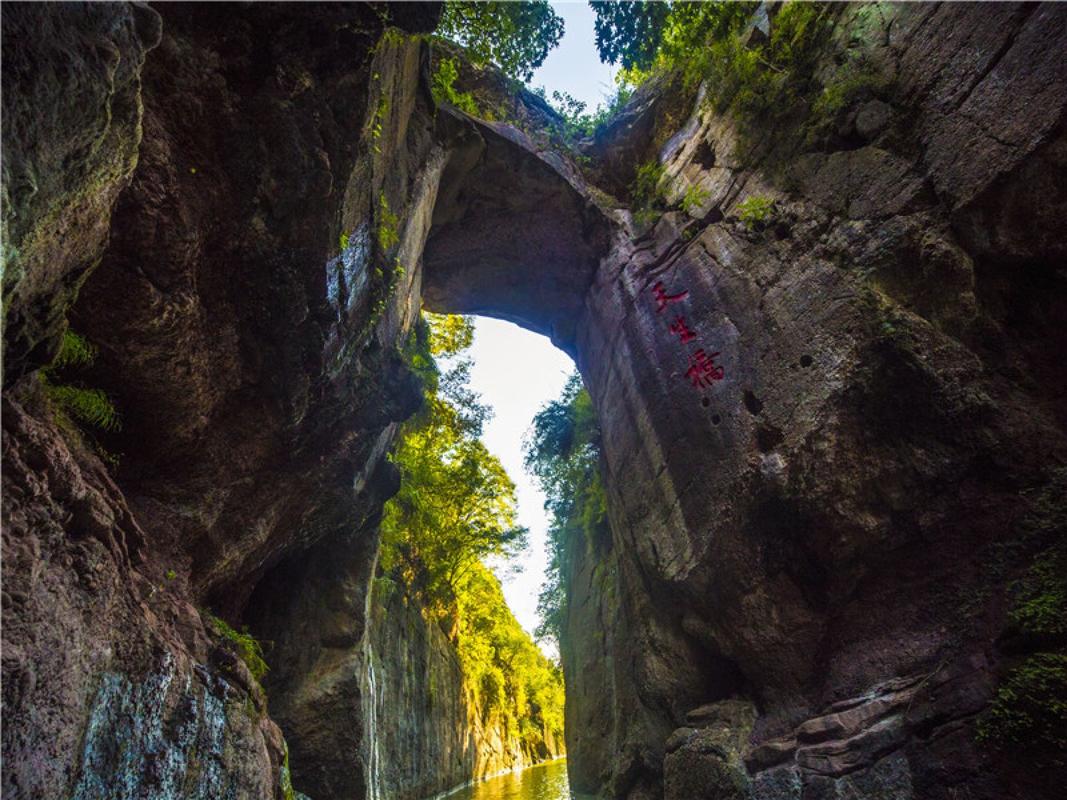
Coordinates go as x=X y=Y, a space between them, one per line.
x=827 y=533
x=833 y=436
x=254 y=367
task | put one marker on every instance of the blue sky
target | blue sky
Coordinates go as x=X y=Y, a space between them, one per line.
x=516 y=371
x=574 y=65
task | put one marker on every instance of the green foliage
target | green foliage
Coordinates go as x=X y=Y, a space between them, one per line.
x=170 y=575
x=285 y=777
x=88 y=407
x=645 y=36
x=694 y=199
x=74 y=351
x=646 y=190
x=767 y=84
x=388 y=230
x=456 y=504
x=577 y=123
x=1040 y=608
x=450 y=334
x=1028 y=715
x=850 y=80
x=455 y=508
x=563 y=453
x=515 y=36
x=755 y=210
x=91 y=407
x=510 y=679
x=444 y=91
x=378 y=120
x=243 y=644
x=629 y=33
x=1029 y=712
x=647 y=196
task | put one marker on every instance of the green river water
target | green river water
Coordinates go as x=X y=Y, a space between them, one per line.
x=544 y=782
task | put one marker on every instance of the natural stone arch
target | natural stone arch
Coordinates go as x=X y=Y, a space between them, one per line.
x=515 y=235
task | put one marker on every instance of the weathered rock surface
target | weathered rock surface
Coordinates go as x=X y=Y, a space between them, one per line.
x=112 y=687
x=809 y=527
x=803 y=586
x=71 y=129
x=254 y=366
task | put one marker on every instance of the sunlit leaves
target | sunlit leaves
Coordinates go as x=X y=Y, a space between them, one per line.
x=455 y=508
x=456 y=504
x=515 y=36
x=449 y=333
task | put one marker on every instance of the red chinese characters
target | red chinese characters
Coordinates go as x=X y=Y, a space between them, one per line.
x=679 y=328
x=662 y=298
x=702 y=371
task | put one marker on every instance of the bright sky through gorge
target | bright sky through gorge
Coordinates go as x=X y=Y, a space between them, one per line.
x=516 y=371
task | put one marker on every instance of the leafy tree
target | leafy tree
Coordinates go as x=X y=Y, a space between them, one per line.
x=629 y=33
x=510 y=680
x=515 y=36
x=638 y=34
x=456 y=507
x=577 y=122
x=563 y=453
x=456 y=504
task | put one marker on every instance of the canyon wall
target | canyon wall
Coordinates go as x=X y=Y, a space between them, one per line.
x=832 y=429
x=247 y=296
x=831 y=435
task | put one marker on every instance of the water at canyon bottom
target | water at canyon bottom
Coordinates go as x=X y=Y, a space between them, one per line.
x=545 y=782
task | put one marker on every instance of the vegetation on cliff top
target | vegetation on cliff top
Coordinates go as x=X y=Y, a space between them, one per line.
x=759 y=63
x=456 y=508
x=515 y=36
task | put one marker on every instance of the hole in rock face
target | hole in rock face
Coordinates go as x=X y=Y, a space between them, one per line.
x=715 y=419
x=705 y=155
x=704 y=401
x=768 y=437
x=806 y=361
x=752 y=403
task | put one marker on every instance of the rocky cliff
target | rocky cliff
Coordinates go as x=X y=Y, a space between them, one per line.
x=831 y=433
x=827 y=376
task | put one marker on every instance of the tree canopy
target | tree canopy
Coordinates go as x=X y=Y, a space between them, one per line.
x=456 y=508
x=563 y=453
x=629 y=33
x=456 y=504
x=638 y=34
x=515 y=36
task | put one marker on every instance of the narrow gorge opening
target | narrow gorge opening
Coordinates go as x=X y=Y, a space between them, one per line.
x=441 y=677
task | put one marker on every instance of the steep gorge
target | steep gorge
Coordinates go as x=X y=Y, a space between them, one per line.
x=811 y=584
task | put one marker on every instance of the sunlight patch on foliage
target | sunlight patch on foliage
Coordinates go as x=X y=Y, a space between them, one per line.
x=456 y=508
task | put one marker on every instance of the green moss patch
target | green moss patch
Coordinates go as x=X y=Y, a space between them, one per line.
x=243 y=644
x=1029 y=711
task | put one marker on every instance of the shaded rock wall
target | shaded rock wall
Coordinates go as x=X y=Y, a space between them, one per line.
x=71 y=129
x=811 y=531
x=253 y=363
